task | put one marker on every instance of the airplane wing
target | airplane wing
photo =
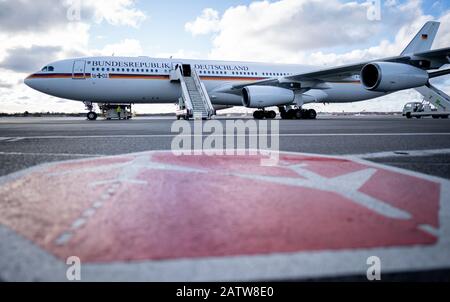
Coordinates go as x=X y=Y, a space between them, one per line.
x=314 y=79
x=434 y=54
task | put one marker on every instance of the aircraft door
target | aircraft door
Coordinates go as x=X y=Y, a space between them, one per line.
x=78 y=72
x=176 y=65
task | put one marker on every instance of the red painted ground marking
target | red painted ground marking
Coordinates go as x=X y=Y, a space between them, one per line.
x=143 y=211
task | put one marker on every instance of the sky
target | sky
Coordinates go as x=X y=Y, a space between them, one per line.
x=314 y=32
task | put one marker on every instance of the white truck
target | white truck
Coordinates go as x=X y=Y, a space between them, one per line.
x=422 y=109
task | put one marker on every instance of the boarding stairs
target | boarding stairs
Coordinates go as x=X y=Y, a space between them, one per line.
x=195 y=97
x=438 y=98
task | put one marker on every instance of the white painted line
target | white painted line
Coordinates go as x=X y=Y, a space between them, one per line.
x=78 y=223
x=407 y=153
x=89 y=212
x=97 y=205
x=233 y=135
x=429 y=229
x=15 y=139
x=63 y=239
x=51 y=154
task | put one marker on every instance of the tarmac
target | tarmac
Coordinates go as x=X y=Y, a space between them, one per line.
x=400 y=166
x=30 y=141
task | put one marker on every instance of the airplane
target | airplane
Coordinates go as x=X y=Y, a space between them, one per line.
x=206 y=85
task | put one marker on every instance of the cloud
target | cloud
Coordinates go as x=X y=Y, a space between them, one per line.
x=127 y=47
x=31 y=15
x=117 y=12
x=206 y=23
x=24 y=15
x=181 y=54
x=5 y=85
x=26 y=60
x=297 y=31
x=34 y=33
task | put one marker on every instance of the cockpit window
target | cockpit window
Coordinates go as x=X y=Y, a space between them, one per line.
x=48 y=68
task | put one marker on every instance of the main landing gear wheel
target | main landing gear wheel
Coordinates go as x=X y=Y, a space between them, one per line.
x=291 y=114
x=92 y=116
x=270 y=114
x=312 y=114
x=261 y=114
x=298 y=114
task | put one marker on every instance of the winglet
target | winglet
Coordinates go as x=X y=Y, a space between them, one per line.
x=423 y=40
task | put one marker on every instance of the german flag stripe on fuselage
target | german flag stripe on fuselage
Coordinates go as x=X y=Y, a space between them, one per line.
x=60 y=76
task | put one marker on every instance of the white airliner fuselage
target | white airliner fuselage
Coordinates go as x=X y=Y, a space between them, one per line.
x=144 y=80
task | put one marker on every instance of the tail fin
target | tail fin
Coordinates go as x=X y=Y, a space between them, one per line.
x=423 y=40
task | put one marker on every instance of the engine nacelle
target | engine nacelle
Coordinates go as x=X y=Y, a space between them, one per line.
x=389 y=77
x=266 y=96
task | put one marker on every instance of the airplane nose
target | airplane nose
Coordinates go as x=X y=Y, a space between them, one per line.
x=27 y=81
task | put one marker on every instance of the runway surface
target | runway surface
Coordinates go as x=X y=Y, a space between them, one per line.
x=29 y=141
x=37 y=229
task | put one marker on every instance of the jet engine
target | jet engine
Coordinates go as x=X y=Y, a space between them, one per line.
x=389 y=77
x=266 y=96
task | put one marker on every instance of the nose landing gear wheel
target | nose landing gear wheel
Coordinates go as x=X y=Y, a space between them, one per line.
x=92 y=116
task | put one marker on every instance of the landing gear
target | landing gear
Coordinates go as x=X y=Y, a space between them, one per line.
x=92 y=116
x=312 y=114
x=270 y=114
x=262 y=114
x=297 y=114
